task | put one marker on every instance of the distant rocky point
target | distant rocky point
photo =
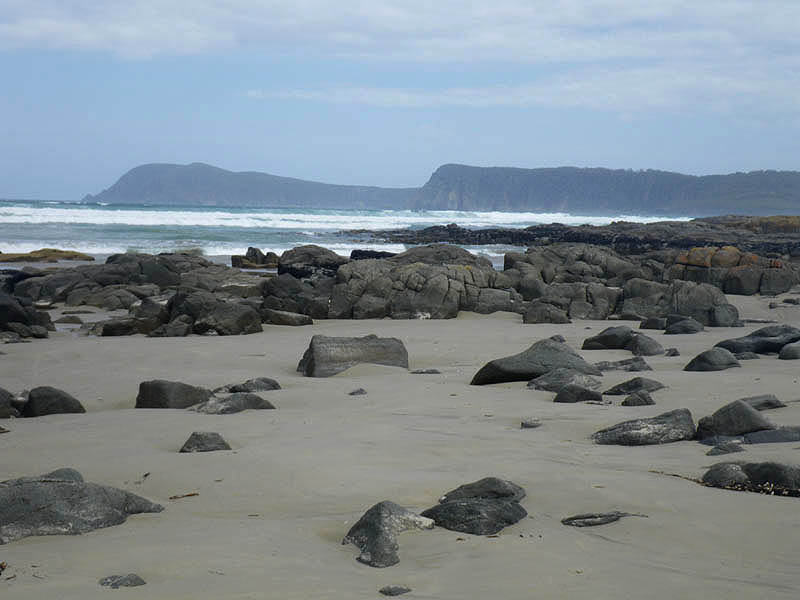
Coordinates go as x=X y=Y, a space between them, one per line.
x=571 y=190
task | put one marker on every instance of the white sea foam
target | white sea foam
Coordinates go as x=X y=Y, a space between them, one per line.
x=278 y=219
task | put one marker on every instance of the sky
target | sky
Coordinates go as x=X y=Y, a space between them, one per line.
x=381 y=92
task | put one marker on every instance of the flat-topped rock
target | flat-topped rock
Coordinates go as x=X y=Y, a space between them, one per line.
x=228 y=405
x=160 y=393
x=554 y=380
x=328 y=356
x=634 y=385
x=672 y=426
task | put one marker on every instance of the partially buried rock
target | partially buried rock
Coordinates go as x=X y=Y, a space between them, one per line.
x=491 y=488
x=542 y=357
x=357 y=392
x=637 y=363
x=394 y=590
x=671 y=352
x=483 y=507
x=531 y=423
x=763 y=402
x=375 y=533
x=477 y=516
x=639 y=398
x=684 y=326
x=643 y=345
x=672 y=426
x=426 y=372
x=62 y=503
x=46 y=400
x=118 y=581
x=736 y=418
x=634 y=385
x=595 y=519
x=765 y=477
x=790 y=352
x=556 y=379
x=236 y=402
x=282 y=317
x=654 y=323
x=725 y=448
x=746 y=356
x=328 y=356
x=160 y=393
x=716 y=359
x=575 y=393
x=257 y=384
x=611 y=338
x=766 y=340
x=7 y=408
x=204 y=441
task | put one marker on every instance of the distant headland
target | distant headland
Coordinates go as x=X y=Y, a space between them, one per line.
x=586 y=191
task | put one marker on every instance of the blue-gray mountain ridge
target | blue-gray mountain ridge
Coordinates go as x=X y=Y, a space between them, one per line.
x=588 y=191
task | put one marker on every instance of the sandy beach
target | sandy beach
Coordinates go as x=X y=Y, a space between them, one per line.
x=270 y=514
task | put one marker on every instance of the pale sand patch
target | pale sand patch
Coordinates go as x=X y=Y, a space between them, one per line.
x=308 y=470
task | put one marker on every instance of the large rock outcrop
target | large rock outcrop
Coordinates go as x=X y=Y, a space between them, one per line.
x=62 y=503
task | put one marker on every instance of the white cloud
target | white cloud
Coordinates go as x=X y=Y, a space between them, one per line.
x=607 y=53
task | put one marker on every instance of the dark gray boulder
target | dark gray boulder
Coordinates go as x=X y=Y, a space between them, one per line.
x=672 y=352
x=488 y=488
x=308 y=260
x=654 y=323
x=611 y=338
x=639 y=398
x=236 y=402
x=790 y=352
x=746 y=356
x=204 y=441
x=180 y=326
x=767 y=340
x=328 y=356
x=478 y=516
x=284 y=317
x=763 y=402
x=637 y=363
x=160 y=393
x=375 y=533
x=554 y=380
x=228 y=318
x=7 y=408
x=632 y=386
x=542 y=357
x=684 y=326
x=118 y=581
x=725 y=448
x=257 y=384
x=62 y=503
x=571 y=393
x=543 y=312
x=716 y=359
x=672 y=426
x=736 y=418
x=46 y=400
x=765 y=477
x=644 y=345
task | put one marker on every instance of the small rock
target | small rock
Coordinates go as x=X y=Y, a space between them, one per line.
x=595 y=519
x=716 y=359
x=394 y=590
x=236 y=402
x=531 y=423
x=637 y=363
x=357 y=392
x=634 y=385
x=684 y=326
x=257 y=384
x=554 y=380
x=725 y=448
x=426 y=372
x=672 y=426
x=118 y=581
x=204 y=441
x=571 y=393
x=375 y=533
x=69 y=320
x=639 y=398
x=488 y=488
x=478 y=516
x=671 y=352
x=747 y=356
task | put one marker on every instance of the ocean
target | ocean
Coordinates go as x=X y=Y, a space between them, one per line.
x=101 y=230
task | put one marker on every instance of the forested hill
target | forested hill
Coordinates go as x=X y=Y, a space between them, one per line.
x=459 y=187
x=199 y=184
x=606 y=191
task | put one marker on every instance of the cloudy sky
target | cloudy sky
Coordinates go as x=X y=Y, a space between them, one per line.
x=383 y=91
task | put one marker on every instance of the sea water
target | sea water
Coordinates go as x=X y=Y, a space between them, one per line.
x=101 y=230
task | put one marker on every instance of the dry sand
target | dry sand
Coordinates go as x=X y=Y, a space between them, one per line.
x=270 y=514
